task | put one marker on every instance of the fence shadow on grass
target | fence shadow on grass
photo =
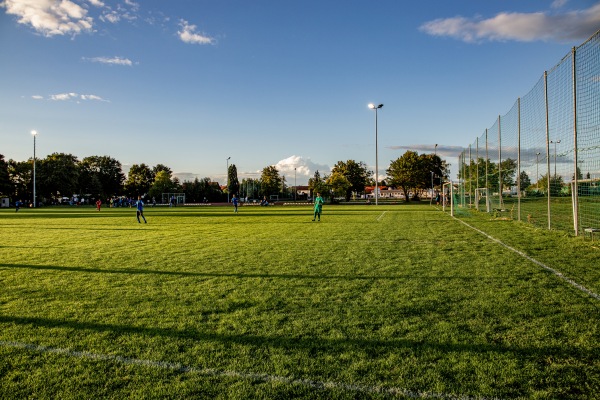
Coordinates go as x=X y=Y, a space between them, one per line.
x=314 y=345
x=233 y=274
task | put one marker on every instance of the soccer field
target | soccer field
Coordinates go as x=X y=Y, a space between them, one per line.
x=372 y=302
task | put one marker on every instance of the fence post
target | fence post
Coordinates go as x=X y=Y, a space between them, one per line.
x=487 y=161
x=477 y=165
x=547 y=145
x=470 y=178
x=519 y=159
x=575 y=177
x=501 y=205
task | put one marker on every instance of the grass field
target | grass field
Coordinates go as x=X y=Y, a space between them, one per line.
x=371 y=302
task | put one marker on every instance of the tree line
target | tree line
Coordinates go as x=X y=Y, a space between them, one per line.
x=502 y=177
x=101 y=177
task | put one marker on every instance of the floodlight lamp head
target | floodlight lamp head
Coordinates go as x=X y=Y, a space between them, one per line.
x=34 y=132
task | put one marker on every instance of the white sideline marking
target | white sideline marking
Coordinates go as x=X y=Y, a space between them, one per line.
x=240 y=375
x=381 y=216
x=554 y=271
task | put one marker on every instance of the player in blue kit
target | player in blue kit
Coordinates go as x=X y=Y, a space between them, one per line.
x=139 y=205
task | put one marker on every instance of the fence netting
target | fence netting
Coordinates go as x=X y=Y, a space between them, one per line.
x=540 y=162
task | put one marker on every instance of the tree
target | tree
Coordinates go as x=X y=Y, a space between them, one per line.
x=20 y=174
x=525 y=182
x=470 y=171
x=250 y=187
x=556 y=183
x=57 y=175
x=6 y=188
x=162 y=184
x=139 y=180
x=316 y=184
x=508 y=170
x=233 y=184
x=161 y=167
x=432 y=163
x=199 y=189
x=101 y=175
x=339 y=184
x=270 y=181
x=355 y=173
x=408 y=172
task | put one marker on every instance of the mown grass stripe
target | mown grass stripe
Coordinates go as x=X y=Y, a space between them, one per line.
x=317 y=385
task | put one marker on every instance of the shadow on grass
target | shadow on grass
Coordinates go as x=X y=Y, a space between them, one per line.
x=225 y=275
x=314 y=345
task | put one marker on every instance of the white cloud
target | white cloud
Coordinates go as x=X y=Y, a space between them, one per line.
x=92 y=97
x=111 y=61
x=305 y=168
x=188 y=34
x=110 y=16
x=96 y=3
x=50 y=17
x=525 y=27
x=37 y=97
x=63 y=96
x=75 y=97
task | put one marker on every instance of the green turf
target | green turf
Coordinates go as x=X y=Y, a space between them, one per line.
x=371 y=302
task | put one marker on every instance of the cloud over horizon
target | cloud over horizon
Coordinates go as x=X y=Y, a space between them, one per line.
x=523 y=27
x=71 y=97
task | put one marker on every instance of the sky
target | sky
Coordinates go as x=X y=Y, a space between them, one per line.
x=198 y=85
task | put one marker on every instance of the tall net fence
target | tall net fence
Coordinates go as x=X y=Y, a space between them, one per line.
x=540 y=162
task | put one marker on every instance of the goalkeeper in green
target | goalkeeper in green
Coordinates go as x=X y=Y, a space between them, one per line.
x=318 y=207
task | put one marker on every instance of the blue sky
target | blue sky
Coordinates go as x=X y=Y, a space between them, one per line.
x=189 y=83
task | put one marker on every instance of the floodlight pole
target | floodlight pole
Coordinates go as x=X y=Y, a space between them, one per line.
x=34 y=133
x=295 y=187
x=227 y=184
x=376 y=107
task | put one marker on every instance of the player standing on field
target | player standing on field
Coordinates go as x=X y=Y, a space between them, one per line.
x=235 y=202
x=139 y=205
x=318 y=207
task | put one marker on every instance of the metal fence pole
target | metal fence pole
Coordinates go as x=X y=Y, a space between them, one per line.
x=575 y=177
x=470 y=177
x=500 y=163
x=519 y=159
x=547 y=145
x=477 y=164
x=487 y=161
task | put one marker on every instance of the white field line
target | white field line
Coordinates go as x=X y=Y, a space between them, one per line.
x=554 y=271
x=318 y=385
x=381 y=216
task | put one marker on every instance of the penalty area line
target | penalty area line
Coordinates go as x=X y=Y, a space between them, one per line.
x=536 y=262
x=266 y=378
x=381 y=216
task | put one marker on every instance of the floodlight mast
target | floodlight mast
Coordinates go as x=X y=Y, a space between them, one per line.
x=376 y=107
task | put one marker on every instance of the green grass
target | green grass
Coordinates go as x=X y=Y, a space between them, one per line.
x=372 y=302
